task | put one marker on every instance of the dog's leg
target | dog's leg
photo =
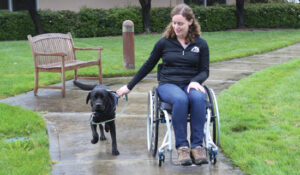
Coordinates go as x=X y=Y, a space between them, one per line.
x=113 y=138
x=95 y=134
x=102 y=136
x=106 y=128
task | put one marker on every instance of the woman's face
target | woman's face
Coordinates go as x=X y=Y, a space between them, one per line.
x=180 y=25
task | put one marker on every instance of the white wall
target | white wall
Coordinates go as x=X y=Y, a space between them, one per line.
x=75 y=5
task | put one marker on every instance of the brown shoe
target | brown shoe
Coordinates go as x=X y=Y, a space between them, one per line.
x=184 y=156
x=198 y=155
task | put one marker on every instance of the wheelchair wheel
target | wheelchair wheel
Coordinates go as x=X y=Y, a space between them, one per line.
x=149 y=120
x=215 y=120
x=152 y=122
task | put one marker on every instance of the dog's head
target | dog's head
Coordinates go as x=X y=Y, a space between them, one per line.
x=102 y=100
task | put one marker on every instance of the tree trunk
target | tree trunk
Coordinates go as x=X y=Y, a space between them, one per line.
x=36 y=19
x=35 y=16
x=30 y=5
x=146 y=6
x=240 y=13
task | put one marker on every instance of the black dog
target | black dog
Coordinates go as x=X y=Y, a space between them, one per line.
x=103 y=103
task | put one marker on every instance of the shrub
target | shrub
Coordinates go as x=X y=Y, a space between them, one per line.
x=210 y=18
x=99 y=22
x=117 y=16
x=87 y=22
x=215 y=18
x=159 y=18
x=58 y=22
x=15 y=25
x=273 y=15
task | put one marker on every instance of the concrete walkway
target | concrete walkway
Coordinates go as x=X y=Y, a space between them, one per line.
x=70 y=135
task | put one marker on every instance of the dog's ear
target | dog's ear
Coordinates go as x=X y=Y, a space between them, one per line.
x=88 y=97
x=109 y=101
x=112 y=99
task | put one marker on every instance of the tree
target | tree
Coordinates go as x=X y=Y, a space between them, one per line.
x=35 y=16
x=240 y=13
x=146 y=6
x=31 y=7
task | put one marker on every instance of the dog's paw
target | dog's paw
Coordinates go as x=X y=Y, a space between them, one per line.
x=115 y=152
x=106 y=128
x=94 y=140
x=102 y=137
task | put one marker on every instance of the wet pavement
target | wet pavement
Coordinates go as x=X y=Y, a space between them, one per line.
x=70 y=134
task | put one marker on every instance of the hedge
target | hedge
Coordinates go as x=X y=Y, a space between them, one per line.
x=58 y=22
x=99 y=22
x=216 y=18
x=160 y=18
x=285 y=15
x=15 y=25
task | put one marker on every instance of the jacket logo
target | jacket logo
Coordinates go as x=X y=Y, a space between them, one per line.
x=195 y=49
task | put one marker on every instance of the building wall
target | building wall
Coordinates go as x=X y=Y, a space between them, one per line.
x=75 y=5
x=230 y=2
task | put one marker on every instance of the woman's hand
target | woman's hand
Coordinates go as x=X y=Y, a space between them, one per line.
x=196 y=86
x=122 y=91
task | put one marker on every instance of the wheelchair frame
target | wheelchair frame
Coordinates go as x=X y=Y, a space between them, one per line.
x=158 y=113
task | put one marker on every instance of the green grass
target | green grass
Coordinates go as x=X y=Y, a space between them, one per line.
x=28 y=156
x=17 y=71
x=260 y=121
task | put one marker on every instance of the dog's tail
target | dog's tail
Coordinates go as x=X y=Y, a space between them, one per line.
x=86 y=87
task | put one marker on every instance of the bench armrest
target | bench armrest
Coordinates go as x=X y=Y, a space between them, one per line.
x=92 y=48
x=50 y=54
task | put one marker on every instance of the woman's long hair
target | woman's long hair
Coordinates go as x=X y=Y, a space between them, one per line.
x=194 y=28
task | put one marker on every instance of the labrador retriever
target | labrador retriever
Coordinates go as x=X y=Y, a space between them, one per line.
x=103 y=103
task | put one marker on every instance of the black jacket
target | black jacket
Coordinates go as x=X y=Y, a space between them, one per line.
x=179 y=66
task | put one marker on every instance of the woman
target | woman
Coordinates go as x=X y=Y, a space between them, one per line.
x=185 y=66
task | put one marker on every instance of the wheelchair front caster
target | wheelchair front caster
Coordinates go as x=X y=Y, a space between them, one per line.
x=161 y=159
x=213 y=157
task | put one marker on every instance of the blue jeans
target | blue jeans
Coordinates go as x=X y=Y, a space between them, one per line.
x=183 y=103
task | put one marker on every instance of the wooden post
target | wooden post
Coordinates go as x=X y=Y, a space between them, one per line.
x=128 y=44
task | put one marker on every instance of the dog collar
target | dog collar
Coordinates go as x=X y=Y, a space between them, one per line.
x=125 y=97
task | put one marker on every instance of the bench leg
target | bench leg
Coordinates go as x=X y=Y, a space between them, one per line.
x=36 y=84
x=100 y=68
x=100 y=76
x=75 y=75
x=63 y=90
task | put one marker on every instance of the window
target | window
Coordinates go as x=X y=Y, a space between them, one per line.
x=22 y=4
x=16 y=5
x=4 y=5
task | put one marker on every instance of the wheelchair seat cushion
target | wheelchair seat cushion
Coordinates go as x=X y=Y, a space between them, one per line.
x=168 y=106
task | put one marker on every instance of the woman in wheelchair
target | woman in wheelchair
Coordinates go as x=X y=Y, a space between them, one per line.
x=184 y=67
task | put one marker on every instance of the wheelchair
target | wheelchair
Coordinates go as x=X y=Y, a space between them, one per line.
x=161 y=112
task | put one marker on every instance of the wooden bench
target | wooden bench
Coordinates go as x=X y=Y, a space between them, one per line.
x=55 y=52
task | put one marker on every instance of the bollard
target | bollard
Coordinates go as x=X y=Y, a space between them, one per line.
x=128 y=44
